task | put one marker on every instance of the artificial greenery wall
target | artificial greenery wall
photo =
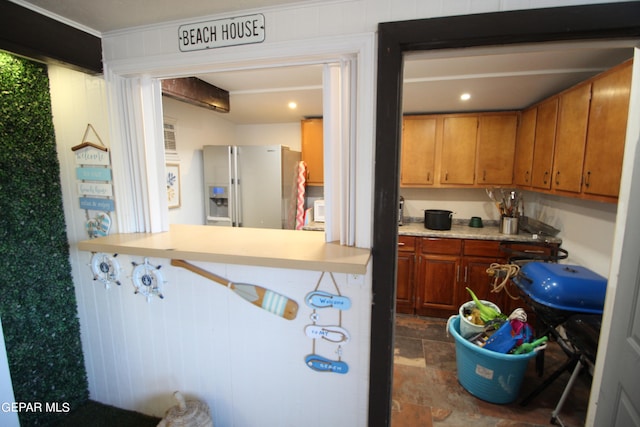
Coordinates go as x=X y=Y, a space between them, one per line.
x=37 y=300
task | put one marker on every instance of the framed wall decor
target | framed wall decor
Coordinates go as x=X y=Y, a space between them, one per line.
x=173 y=185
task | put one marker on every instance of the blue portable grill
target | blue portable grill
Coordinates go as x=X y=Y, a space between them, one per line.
x=557 y=291
x=568 y=297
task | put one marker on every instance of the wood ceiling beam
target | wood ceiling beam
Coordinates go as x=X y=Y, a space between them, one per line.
x=197 y=92
x=30 y=34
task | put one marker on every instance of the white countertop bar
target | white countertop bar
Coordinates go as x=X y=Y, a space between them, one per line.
x=289 y=249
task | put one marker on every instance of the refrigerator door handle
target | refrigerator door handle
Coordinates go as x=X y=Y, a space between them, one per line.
x=237 y=191
x=232 y=197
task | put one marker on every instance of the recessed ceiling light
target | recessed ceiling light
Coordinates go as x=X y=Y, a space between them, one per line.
x=465 y=96
x=293 y=105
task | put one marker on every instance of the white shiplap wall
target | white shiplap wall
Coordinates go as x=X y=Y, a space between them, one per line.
x=247 y=365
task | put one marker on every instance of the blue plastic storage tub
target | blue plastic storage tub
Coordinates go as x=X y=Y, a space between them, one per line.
x=488 y=375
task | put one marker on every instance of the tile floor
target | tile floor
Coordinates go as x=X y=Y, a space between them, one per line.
x=426 y=391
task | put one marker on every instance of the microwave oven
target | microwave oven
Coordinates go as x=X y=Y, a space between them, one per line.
x=318 y=211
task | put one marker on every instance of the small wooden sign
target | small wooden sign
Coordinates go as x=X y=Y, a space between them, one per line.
x=95 y=204
x=95 y=189
x=93 y=174
x=235 y=31
x=90 y=155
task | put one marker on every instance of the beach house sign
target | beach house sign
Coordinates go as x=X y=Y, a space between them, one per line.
x=235 y=31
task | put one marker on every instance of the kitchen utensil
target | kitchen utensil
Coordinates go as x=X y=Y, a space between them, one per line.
x=436 y=219
x=256 y=295
x=475 y=222
x=491 y=193
x=509 y=225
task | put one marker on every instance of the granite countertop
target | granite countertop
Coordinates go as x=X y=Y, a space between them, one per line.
x=314 y=226
x=461 y=230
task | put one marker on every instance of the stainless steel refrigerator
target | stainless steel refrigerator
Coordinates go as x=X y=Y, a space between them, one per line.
x=250 y=186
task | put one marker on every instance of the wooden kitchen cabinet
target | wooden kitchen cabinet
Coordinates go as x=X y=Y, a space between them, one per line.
x=524 y=147
x=446 y=267
x=606 y=131
x=458 y=157
x=496 y=148
x=444 y=150
x=571 y=137
x=405 y=294
x=437 y=278
x=478 y=255
x=418 y=151
x=579 y=138
x=313 y=150
x=433 y=273
x=544 y=144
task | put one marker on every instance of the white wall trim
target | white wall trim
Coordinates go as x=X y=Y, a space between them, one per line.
x=323 y=50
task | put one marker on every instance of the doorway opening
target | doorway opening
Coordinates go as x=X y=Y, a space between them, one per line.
x=594 y=22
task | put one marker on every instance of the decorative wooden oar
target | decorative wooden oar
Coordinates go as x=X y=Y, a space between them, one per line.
x=256 y=295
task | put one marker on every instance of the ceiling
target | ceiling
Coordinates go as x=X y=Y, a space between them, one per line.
x=500 y=78
x=103 y=16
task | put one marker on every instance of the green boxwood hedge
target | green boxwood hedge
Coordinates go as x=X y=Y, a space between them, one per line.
x=37 y=300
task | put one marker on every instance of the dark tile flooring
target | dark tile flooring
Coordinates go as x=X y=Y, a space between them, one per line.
x=426 y=391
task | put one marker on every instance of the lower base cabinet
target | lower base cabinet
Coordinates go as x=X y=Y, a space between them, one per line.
x=405 y=275
x=433 y=274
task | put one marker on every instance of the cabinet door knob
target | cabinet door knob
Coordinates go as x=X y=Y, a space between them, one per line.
x=586 y=181
x=546 y=174
x=557 y=178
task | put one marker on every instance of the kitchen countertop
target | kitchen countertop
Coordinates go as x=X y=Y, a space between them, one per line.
x=247 y=246
x=460 y=230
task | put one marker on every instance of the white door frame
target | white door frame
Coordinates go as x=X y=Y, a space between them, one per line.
x=615 y=390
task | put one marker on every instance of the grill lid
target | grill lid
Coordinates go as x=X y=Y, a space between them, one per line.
x=563 y=286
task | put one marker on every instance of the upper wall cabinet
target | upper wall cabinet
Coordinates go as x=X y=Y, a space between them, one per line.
x=458 y=149
x=569 y=144
x=589 y=137
x=543 y=144
x=524 y=147
x=418 y=151
x=606 y=132
x=496 y=148
x=313 y=150
x=458 y=158
x=571 y=136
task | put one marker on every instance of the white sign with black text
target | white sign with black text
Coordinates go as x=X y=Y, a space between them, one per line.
x=221 y=33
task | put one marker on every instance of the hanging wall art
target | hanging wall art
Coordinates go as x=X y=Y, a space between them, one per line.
x=173 y=185
x=105 y=269
x=331 y=306
x=147 y=279
x=93 y=173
